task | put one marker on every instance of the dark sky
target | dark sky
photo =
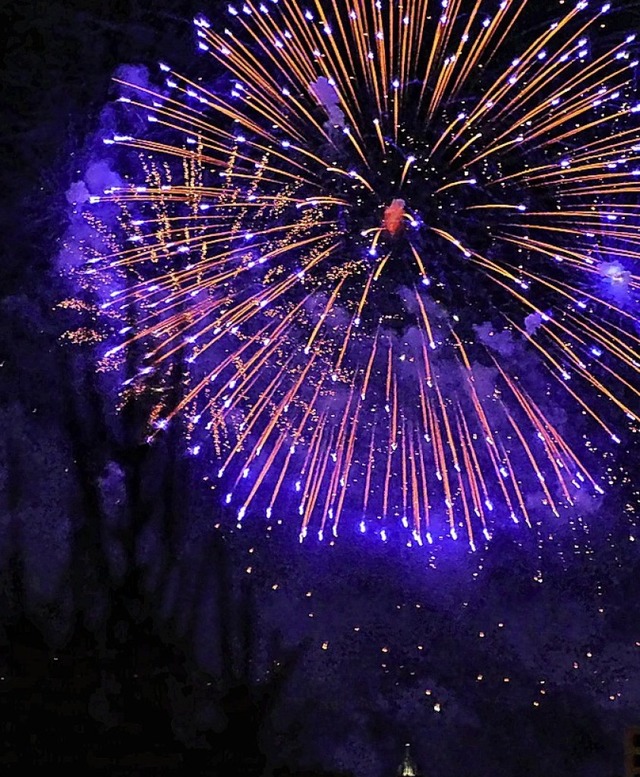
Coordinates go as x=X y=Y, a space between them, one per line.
x=521 y=659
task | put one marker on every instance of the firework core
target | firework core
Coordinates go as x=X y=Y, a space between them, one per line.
x=394 y=217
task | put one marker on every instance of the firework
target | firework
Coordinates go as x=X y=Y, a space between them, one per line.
x=375 y=261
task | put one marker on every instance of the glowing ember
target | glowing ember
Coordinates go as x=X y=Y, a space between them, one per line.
x=394 y=217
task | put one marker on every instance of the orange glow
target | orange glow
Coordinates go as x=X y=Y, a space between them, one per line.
x=394 y=217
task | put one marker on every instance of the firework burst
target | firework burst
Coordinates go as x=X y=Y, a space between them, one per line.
x=368 y=264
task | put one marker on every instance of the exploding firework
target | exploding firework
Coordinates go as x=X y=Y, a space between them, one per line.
x=375 y=264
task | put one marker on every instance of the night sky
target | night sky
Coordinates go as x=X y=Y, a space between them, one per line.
x=137 y=624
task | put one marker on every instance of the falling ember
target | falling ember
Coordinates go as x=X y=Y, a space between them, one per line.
x=394 y=217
